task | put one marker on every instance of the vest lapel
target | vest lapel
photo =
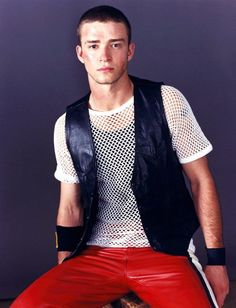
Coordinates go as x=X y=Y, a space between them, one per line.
x=80 y=144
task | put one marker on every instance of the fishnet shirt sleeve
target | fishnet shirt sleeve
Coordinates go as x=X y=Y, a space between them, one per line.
x=65 y=171
x=188 y=140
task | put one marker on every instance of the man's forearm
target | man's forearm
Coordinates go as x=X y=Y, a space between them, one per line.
x=208 y=210
x=70 y=216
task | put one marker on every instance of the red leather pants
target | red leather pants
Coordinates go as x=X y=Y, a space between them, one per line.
x=100 y=275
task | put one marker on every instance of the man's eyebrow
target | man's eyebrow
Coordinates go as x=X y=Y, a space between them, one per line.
x=111 y=41
x=117 y=40
x=92 y=41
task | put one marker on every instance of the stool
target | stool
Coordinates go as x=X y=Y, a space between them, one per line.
x=131 y=300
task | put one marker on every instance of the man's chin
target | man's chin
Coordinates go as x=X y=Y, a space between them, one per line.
x=108 y=80
x=105 y=81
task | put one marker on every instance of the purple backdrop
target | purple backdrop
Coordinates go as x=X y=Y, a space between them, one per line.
x=187 y=44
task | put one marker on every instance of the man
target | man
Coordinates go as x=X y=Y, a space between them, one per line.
x=125 y=217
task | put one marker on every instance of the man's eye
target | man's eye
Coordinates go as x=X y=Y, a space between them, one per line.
x=94 y=46
x=116 y=45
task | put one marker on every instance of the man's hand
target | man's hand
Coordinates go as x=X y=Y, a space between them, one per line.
x=219 y=281
x=62 y=255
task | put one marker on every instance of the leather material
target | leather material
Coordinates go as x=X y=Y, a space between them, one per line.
x=166 y=208
x=100 y=275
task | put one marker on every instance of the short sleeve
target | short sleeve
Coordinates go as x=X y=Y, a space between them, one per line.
x=65 y=171
x=188 y=140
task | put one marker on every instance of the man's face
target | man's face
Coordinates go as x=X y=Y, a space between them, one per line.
x=104 y=51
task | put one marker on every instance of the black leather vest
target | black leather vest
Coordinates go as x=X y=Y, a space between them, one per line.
x=165 y=205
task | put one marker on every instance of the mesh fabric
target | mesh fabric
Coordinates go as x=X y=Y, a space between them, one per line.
x=118 y=222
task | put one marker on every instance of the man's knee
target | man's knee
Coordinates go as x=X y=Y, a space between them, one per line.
x=27 y=301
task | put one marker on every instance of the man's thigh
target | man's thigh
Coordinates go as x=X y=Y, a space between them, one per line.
x=165 y=281
x=89 y=280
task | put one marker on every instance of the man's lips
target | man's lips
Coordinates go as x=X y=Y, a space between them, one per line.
x=105 y=69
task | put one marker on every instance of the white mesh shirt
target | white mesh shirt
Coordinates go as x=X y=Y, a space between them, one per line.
x=118 y=222
x=187 y=137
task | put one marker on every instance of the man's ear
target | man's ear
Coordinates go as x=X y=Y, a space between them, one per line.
x=79 y=53
x=131 y=50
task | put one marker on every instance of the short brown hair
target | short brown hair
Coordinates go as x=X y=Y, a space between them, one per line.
x=104 y=13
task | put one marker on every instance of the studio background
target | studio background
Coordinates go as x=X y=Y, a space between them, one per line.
x=188 y=44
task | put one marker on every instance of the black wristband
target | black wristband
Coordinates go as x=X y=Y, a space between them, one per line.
x=67 y=238
x=215 y=256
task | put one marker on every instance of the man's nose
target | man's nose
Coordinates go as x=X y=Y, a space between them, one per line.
x=105 y=54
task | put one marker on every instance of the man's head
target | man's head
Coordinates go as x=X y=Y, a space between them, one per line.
x=104 y=45
x=103 y=13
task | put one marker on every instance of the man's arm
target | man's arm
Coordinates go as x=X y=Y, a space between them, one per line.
x=70 y=212
x=208 y=210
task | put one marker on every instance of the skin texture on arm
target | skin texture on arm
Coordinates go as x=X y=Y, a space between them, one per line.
x=70 y=212
x=208 y=210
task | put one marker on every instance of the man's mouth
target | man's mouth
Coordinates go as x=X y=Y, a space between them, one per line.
x=105 y=69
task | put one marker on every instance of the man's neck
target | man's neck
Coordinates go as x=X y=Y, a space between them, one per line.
x=110 y=96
